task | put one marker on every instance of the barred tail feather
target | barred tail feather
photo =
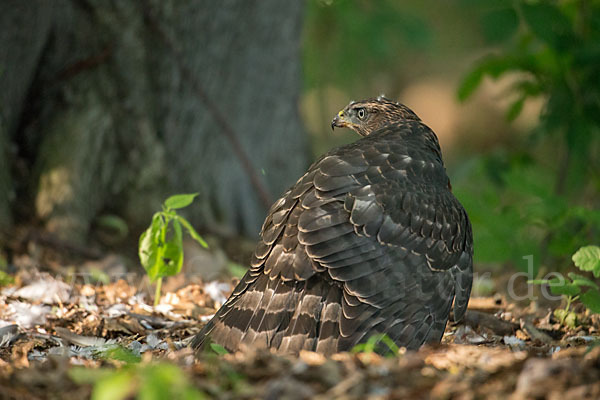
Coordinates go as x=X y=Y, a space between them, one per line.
x=282 y=315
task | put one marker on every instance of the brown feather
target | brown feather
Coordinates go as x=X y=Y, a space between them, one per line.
x=370 y=240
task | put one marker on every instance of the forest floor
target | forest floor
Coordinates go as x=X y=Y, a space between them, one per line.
x=71 y=330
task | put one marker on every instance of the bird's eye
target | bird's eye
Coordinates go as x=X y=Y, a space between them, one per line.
x=361 y=112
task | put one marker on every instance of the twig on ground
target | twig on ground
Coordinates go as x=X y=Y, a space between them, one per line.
x=499 y=326
x=534 y=333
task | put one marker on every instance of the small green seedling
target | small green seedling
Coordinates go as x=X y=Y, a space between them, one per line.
x=374 y=345
x=572 y=288
x=161 y=245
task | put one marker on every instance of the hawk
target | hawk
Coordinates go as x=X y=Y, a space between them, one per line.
x=370 y=240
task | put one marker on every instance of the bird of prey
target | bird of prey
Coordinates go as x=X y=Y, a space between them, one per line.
x=369 y=241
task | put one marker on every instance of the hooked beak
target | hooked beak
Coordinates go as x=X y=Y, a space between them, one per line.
x=339 y=121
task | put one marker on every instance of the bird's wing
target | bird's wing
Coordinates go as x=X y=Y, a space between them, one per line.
x=405 y=249
x=378 y=227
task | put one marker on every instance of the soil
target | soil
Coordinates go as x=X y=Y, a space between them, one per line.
x=62 y=313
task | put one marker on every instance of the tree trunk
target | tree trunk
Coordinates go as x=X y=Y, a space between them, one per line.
x=114 y=105
x=24 y=29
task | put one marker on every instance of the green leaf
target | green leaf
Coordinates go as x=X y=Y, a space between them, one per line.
x=153 y=381
x=161 y=381
x=371 y=345
x=236 y=270
x=587 y=258
x=5 y=279
x=114 y=223
x=469 y=83
x=564 y=287
x=591 y=299
x=499 y=25
x=492 y=66
x=173 y=252
x=515 y=109
x=192 y=231
x=149 y=247
x=119 y=353
x=83 y=375
x=160 y=256
x=582 y=281
x=539 y=281
x=560 y=314
x=179 y=201
x=392 y=347
x=571 y=320
x=361 y=348
x=567 y=318
x=115 y=386
x=548 y=23
x=217 y=348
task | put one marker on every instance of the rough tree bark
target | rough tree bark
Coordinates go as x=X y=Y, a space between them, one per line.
x=97 y=113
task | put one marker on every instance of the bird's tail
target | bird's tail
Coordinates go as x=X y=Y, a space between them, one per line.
x=287 y=316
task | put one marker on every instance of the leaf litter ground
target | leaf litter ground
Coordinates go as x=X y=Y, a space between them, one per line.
x=62 y=331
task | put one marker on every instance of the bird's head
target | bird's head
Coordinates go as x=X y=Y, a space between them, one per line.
x=367 y=116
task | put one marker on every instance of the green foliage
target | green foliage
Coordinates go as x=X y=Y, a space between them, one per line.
x=566 y=317
x=500 y=24
x=526 y=203
x=515 y=210
x=379 y=343
x=161 y=245
x=115 y=224
x=98 y=275
x=591 y=299
x=217 y=348
x=588 y=259
x=156 y=381
x=6 y=279
x=572 y=288
x=581 y=281
x=348 y=40
x=236 y=270
x=556 y=50
x=119 y=353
